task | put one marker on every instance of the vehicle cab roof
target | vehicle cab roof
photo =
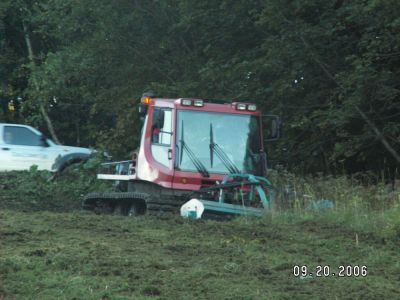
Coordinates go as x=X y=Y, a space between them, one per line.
x=208 y=105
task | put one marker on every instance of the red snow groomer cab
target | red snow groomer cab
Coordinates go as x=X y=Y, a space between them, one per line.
x=191 y=147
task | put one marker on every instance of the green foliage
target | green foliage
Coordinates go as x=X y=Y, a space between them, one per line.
x=38 y=190
x=310 y=61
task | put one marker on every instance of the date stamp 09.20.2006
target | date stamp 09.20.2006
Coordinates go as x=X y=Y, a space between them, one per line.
x=328 y=271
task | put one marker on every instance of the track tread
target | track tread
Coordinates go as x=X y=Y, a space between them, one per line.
x=155 y=205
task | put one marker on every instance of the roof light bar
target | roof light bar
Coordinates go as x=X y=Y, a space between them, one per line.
x=245 y=106
x=241 y=106
x=198 y=103
x=191 y=102
x=186 y=102
x=252 y=107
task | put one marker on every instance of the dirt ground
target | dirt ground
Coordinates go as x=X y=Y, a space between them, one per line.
x=75 y=255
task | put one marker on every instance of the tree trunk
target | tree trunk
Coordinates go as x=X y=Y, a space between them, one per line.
x=40 y=101
x=370 y=123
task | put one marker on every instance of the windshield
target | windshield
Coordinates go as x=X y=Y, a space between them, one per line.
x=235 y=136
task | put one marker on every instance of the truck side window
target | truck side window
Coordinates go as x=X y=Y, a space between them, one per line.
x=14 y=135
x=161 y=126
x=161 y=134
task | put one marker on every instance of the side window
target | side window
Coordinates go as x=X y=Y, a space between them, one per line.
x=161 y=126
x=161 y=134
x=20 y=136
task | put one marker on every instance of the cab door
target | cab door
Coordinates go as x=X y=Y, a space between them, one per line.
x=23 y=148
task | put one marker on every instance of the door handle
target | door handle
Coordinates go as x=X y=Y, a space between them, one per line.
x=169 y=154
x=5 y=148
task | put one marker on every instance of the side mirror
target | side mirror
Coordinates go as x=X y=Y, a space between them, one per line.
x=142 y=110
x=43 y=141
x=272 y=127
x=160 y=119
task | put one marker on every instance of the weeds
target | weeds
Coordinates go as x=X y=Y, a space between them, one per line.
x=297 y=193
x=35 y=190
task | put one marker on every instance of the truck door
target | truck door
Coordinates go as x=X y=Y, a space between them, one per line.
x=24 y=148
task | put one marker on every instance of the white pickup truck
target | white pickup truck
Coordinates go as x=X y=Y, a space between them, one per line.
x=22 y=146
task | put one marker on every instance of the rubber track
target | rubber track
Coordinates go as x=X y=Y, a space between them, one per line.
x=154 y=205
x=100 y=202
x=164 y=205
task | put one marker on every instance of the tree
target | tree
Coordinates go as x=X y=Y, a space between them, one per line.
x=329 y=68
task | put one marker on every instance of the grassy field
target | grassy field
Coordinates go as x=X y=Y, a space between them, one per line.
x=59 y=252
x=46 y=255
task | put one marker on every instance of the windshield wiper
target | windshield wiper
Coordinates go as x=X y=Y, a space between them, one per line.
x=193 y=158
x=214 y=147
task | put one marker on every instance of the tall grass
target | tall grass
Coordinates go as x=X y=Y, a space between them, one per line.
x=359 y=202
x=294 y=192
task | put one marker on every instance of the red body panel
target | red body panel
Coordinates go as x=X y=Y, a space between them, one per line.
x=148 y=169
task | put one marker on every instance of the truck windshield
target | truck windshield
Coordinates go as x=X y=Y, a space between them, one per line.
x=236 y=136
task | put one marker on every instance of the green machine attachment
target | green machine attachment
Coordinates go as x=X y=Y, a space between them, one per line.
x=237 y=194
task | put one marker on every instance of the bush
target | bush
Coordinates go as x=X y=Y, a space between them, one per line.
x=42 y=190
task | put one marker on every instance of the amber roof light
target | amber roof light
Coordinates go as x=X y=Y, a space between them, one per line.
x=145 y=100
